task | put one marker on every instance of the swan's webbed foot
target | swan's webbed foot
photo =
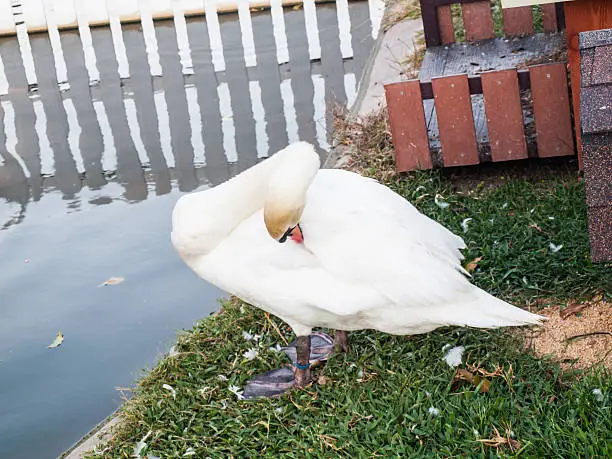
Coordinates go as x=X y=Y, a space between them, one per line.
x=270 y=384
x=341 y=341
x=305 y=352
x=321 y=347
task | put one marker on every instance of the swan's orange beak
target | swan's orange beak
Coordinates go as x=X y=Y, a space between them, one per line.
x=294 y=233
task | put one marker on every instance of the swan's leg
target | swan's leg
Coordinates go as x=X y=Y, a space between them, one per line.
x=302 y=367
x=341 y=341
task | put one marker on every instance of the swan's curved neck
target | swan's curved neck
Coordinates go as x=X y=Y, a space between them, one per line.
x=283 y=178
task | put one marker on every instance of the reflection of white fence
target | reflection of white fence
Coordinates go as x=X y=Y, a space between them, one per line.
x=22 y=17
x=98 y=114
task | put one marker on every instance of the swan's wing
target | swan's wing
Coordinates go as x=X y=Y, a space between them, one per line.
x=284 y=279
x=365 y=234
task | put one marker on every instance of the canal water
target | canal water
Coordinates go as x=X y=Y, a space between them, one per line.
x=88 y=179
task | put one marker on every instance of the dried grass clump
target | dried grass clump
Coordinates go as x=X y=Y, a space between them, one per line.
x=367 y=143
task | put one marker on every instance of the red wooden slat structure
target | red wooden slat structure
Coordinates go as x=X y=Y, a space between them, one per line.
x=482 y=112
x=445 y=22
x=478 y=21
x=504 y=115
x=410 y=130
x=549 y=18
x=518 y=21
x=455 y=120
x=552 y=110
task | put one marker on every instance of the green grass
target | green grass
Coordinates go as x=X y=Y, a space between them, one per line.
x=375 y=403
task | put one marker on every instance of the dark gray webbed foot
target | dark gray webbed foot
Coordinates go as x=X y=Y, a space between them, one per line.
x=304 y=353
x=270 y=384
x=321 y=348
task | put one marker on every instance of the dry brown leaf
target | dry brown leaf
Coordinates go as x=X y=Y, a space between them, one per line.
x=464 y=375
x=484 y=384
x=572 y=308
x=472 y=265
x=471 y=378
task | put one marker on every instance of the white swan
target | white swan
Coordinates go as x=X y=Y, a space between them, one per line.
x=356 y=256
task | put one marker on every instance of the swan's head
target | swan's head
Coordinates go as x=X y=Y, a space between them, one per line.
x=286 y=197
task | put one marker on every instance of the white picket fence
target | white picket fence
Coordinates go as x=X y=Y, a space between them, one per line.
x=22 y=17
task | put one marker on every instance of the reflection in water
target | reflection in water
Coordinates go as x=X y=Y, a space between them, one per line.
x=289 y=109
x=153 y=109
x=84 y=134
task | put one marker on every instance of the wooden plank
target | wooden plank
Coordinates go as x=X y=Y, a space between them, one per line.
x=518 y=21
x=504 y=115
x=455 y=120
x=408 y=128
x=478 y=21
x=549 y=18
x=430 y=23
x=581 y=16
x=445 y=24
x=551 y=110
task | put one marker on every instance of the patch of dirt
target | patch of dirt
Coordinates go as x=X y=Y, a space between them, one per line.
x=583 y=337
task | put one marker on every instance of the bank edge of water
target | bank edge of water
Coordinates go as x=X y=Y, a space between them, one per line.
x=377 y=71
x=382 y=67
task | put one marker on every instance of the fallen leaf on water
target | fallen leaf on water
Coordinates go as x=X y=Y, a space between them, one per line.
x=113 y=281
x=572 y=309
x=59 y=339
x=472 y=265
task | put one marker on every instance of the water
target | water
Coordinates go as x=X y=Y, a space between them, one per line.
x=88 y=178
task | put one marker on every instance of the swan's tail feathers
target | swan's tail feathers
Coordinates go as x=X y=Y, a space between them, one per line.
x=490 y=312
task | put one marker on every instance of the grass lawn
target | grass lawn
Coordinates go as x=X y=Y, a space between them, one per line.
x=396 y=396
